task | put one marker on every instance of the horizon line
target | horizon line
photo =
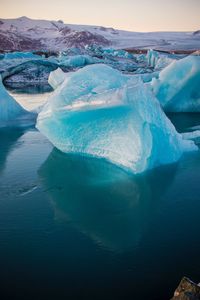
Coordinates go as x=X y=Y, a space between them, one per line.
x=95 y=25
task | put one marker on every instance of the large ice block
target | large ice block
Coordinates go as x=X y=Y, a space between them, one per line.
x=100 y=112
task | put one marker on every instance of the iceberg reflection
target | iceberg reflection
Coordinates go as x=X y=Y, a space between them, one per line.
x=8 y=139
x=103 y=202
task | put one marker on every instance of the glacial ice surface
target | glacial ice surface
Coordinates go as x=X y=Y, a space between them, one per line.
x=97 y=111
x=77 y=61
x=178 y=85
x=20 y=55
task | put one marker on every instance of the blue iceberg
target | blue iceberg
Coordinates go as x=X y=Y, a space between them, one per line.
x=11 y=112
x=77 y=61
x=97 y=111
x=20 y=55
x=177 y=86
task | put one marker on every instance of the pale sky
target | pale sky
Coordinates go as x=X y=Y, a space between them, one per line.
x=134 y=15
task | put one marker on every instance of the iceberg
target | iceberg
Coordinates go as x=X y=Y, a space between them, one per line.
x=31 y=71
x=56 y=78
x=20 y=55
x=117 y=53
x=77 y=61
x=99 y=112
x=98 y=51
x=159 y=60
x=11 y=112
x=177 y=86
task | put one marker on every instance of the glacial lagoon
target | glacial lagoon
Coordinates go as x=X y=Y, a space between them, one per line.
x=73 y=227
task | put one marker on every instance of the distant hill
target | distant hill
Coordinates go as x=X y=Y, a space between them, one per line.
x=196 y=32
x=24 y=34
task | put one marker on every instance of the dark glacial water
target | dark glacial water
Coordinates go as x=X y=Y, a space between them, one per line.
x=78 y=228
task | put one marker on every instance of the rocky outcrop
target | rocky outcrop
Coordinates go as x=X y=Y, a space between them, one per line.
x=196 y=32
x=16 y=41
x=187 y=290
x=83 y=38
x=24 y=34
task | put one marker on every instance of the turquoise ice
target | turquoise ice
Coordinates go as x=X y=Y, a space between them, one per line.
x=178 y=85
x=159 y=60
x=99 y=112
x=11 y=112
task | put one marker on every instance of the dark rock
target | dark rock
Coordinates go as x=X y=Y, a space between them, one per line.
x=59 y=36
x=187 y=290
x=82 y=38
x=196 y=32
x=65 y=31
x=16 y=42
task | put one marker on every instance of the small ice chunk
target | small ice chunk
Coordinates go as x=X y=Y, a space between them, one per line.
x=191 y=135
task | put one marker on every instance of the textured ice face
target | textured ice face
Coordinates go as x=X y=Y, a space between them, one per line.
x=97 y=111
x=117 y=59
x=159 y=60
x=178 y=86
x=87 y=84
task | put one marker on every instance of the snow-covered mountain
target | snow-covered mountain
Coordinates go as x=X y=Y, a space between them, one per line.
x=27 y=34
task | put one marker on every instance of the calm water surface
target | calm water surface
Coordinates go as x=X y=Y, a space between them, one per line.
x=78 y=228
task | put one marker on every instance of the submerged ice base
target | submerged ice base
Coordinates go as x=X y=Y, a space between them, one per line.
x=99 y=112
